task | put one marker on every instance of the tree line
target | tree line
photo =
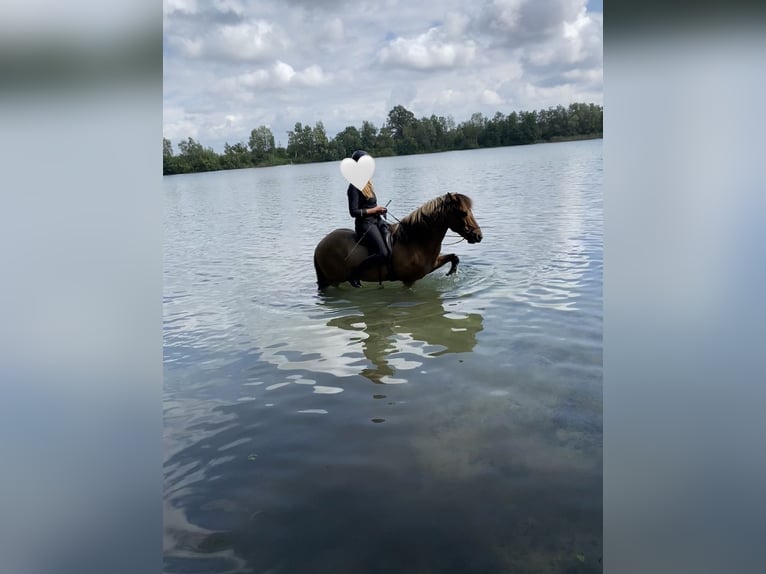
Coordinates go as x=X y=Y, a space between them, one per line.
x=401 y=134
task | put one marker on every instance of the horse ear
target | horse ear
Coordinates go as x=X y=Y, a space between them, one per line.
x=450 y=197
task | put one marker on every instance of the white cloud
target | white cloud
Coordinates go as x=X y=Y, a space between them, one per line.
x=429 y=51
x=271 y=62
x=354 y=112
x=279 y=75
x=177 y=125
x=507 y=13
x=251 y=41
x=283 y=73
x=189 y=47
x=587 y=77
x=580 y=41
x=227 y=124
x=313 y=76
x=448 y=96
x=333 y=30
x=490 y=97
x=530 y=96
x=519 y=21
x=456 y=24
x=234 y=6
x=249 y=80
x=182 y=6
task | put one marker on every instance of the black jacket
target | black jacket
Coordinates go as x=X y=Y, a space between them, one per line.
x=358 y=202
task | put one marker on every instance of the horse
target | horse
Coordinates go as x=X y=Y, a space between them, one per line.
x=416 y=244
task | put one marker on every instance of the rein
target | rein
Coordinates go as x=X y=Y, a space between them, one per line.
x=394 y=216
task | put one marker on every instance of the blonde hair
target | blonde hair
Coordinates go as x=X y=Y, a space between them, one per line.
x=368 y=191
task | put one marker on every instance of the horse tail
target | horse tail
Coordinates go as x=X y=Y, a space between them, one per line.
x=321 y=279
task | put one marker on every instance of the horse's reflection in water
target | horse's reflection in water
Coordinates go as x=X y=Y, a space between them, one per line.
x=400 y=323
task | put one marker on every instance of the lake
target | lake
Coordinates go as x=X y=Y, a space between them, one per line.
x=454 y=427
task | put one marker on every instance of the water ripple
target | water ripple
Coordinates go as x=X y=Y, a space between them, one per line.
x=293 y=417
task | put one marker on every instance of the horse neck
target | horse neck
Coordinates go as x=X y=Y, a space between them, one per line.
x=430 y=232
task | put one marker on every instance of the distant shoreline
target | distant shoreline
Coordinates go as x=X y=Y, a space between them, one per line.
x=558 y=139
x=402 y=134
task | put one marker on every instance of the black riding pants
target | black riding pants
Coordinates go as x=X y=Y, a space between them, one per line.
x=373 y=238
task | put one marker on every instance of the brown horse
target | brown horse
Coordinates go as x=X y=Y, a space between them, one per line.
x=416 y=239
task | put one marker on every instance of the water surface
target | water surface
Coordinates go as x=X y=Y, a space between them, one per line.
x=452 y=427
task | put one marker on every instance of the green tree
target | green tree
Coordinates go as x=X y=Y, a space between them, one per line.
x=425 y=134
x=348 y=141
x=384 y=142
x=279 y=157
x=398 y=119
x=402 y=133
x=171 y=164
x=299 y=144
x=407 y=143
x=321 y=145
x=530 y=130
x=261 y=144
x=368 y=135
x=471 y=130
x=447 y=125
x=236 y=156
x=435 y=128
x=492 y=134
x=585 y=119
x=196 y=158
x=512 y=132
x=558 y=122
x=336 y=150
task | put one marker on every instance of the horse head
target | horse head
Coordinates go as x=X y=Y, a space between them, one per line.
x=460 y=217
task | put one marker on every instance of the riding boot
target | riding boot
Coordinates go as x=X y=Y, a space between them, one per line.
x=385 y=232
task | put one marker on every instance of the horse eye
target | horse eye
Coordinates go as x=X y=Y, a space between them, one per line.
x=463 y=213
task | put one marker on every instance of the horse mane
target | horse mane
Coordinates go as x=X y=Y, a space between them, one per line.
x=433 y=210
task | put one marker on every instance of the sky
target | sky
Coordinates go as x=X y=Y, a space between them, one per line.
x=233 y=65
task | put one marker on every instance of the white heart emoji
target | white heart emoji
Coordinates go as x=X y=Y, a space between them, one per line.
x=358 y=173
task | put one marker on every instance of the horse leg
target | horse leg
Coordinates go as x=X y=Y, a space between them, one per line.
x=322 y=281
x=449 y=257
x=371 y=261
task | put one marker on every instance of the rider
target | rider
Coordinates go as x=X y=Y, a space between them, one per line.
x=370 y=227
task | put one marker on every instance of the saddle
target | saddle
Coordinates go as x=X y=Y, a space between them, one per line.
x=385 y=231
